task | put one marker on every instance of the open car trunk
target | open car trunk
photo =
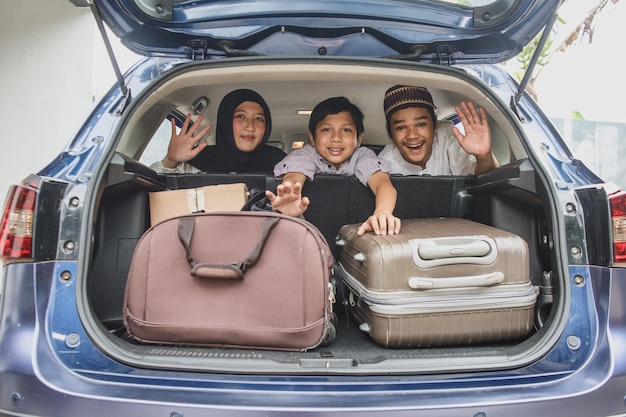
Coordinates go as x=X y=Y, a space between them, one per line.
x=511 y=197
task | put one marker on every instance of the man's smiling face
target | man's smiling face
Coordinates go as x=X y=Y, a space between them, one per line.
x=413 y=131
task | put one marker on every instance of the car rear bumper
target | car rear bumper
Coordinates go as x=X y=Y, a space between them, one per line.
x=38 y=376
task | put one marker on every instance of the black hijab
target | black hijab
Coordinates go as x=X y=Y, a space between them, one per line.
x=224 y=156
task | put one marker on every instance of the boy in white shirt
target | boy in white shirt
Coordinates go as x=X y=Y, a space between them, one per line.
x=420 y=145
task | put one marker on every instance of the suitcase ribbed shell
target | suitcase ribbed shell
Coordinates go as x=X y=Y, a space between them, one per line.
x=439 y=282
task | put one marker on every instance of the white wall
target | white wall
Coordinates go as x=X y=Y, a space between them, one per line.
x=45 y=82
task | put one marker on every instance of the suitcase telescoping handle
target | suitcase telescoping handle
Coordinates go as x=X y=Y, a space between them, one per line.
x=483 y=280
x=451 y=248
x=230 y=270
x=439 y=251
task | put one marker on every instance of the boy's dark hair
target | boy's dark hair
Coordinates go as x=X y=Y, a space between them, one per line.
x=336 y=105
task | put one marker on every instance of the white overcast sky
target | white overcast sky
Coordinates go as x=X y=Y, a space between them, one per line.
x=588 y=78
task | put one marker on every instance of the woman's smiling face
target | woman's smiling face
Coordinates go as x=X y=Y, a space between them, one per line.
x=249 y=124
x=336 y=138
x=413 y=132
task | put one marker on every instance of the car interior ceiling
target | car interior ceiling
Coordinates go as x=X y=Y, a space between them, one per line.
x=299 y=89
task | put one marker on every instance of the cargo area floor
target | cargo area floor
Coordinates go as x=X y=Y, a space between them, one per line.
x=351 y=347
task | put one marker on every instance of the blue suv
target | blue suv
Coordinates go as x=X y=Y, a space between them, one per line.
x=68 y=232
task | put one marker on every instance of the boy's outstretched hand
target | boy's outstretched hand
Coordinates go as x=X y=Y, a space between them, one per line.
x=380 y=224
x=288 y=199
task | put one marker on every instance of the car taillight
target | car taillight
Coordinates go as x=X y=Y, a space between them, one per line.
x=16 y=234
x=618 y=217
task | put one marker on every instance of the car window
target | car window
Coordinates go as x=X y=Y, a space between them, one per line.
x=157 y=147
x=469 y=3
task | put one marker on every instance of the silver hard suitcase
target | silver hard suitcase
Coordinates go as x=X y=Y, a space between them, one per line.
x=439 y=282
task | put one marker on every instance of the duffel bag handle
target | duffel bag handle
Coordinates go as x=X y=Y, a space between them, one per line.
x=232 y=270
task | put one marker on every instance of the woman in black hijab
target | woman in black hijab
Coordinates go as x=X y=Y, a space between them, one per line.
x=243 y=128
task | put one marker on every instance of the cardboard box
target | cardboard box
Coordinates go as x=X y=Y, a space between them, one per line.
x=172 y=203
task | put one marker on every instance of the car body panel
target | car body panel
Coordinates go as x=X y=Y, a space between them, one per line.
x=490 y=33
x=592 y=387
x=59 y=359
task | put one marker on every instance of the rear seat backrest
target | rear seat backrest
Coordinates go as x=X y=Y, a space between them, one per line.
x=330 y=204
x=425 y=196
x=179 y=181
x=337 y=200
